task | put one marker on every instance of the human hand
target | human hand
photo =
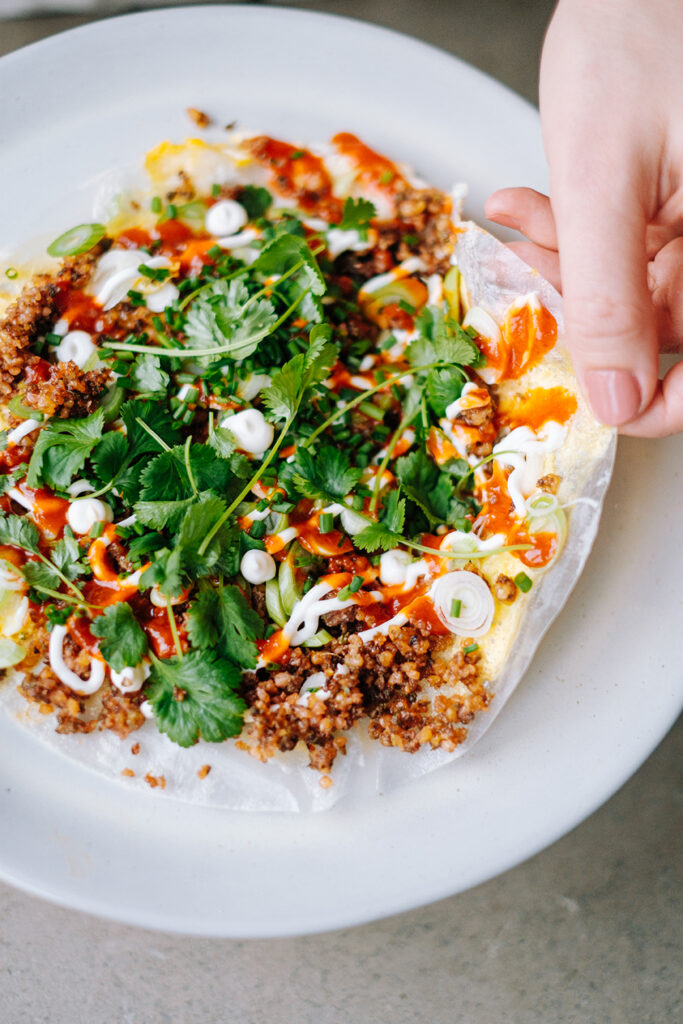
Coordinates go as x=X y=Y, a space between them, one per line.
x=611 y=85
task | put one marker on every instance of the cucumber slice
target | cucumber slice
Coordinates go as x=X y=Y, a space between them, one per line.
x=10 y=653
x=290 y=591
x=274 y=602
x=112 y=402
x=451 y=289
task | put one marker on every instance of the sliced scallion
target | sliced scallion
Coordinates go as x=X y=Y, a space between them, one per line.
x=80 y=239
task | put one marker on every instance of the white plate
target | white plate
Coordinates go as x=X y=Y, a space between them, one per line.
x=606 y=682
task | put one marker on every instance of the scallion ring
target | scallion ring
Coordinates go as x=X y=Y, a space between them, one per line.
x=80 y=239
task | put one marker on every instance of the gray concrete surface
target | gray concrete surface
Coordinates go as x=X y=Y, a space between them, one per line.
x=587 y=931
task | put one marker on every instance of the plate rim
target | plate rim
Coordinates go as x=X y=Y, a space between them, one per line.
x=182 y=925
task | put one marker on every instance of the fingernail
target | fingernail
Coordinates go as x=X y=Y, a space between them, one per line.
x=614 y=395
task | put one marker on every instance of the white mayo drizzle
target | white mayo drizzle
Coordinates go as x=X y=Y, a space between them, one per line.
x=84 y=687
x=339 y=241
x=456 y=407
x=83 y=513
x=130 y=679
x=525 y=452
x=117 y=272
x=76 y=347
x=257 y=566
x=410 y=266
x=158 y=300
x=224 y=218
x=315 y=682
x=242 y=238
x=486 y=326
x=251 y=430
x=398 y=620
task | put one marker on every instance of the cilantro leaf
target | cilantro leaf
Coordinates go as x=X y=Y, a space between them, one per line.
x=431 y=489
x=123 y=641
x=62 y=448
x=297 y=380
x=255 y=200
x=109 y=455
x=195 y=696
x=41 y=576
x=164 y=572
x=444 y=387
x=357 y=214
x=223 y=620
x=157 y=418
x=8 y=480
x=285 y=252
x=66 y=555
x=222 y=441
x=327 y=475
x=441 y=339
x=147 y=377
x=227 y=318
x=162 y=514
x=387 y=533
x=19 y=532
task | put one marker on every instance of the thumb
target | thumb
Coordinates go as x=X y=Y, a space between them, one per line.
x=609 y=314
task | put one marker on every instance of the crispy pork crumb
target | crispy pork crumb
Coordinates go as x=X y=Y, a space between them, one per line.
x=504 y=589
x=135 y=749
x=389 y=679
x=204 y=771
x=201 y=119
x=129 y=773
x=155 y=780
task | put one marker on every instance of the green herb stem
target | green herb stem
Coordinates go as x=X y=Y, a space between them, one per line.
x=174 y=627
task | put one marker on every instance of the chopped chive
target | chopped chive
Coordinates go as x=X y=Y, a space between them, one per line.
x=387 y=343
x=282 y=507
x=97 y=530
x=456 y=605
x=386 y=177
x=214 y=252
x=523 y=582
x=297 y=154
x=171 y=211
x=308 y=583
x=410 y=239
x=53 y=339
x=371 y=410
x=406 y=307
x=357 y=502
x=153 y=273
x=155 y=205
x=12 y=273
x=262 y=505
x=355 y=584
x=470 y=648
x=136 y=298
x=215 y=191
x=326 y=522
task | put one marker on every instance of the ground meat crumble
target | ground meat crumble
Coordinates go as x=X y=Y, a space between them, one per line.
x=410 y=695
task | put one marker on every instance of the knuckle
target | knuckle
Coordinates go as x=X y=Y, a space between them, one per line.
x=597 y=322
